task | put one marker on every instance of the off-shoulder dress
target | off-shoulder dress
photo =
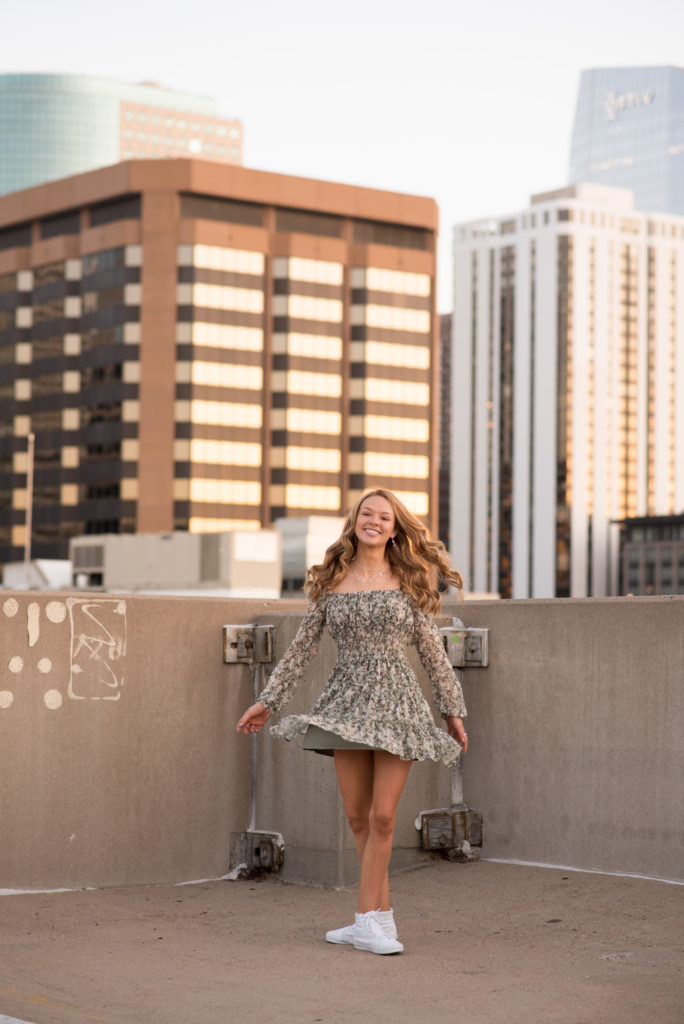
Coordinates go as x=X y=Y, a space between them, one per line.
x=372 y=696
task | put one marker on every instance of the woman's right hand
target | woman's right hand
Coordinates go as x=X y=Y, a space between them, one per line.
x=254 y=718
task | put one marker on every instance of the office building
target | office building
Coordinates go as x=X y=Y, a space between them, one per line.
x=207 y=348
x=239 y=563
x=54 y=126
x=305 y=541
x=569 y=341
x=629 y=133
x=445 y=328
x=651 y=555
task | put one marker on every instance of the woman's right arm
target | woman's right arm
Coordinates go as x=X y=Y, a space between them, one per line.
x=291 y=666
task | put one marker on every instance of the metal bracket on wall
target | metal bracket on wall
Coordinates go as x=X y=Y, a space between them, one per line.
x=453 y=832
x=252 y=853
x=466 y=647
x=248 y=645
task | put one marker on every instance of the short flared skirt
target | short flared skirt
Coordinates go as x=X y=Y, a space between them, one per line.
x=377 y=707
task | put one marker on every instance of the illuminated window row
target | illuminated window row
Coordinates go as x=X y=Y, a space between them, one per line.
x=215 y=257
x=376 y=389
x=225 y=492
x=307 y=421
x=219 y=414
x=319 y=460
x=218 y=296
x=379 y=353
x=198 y=524
x=390 y=428
x=314 y=271
x=399 y=281
x=226 y=375
x=378 y=464
x=225 y=336
x=306 y=307
x=309 y=496
x=298 y=382
x=308 y=346
x=395 y=318
x=218 y=453
x=417 y=502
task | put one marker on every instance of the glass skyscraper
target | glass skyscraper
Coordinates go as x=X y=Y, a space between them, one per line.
x=629 y=132
x=53 y=126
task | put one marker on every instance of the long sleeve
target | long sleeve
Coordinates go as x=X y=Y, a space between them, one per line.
x=446 y=688
x=291 y=666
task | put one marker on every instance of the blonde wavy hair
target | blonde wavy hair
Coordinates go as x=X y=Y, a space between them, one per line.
x=418 y=561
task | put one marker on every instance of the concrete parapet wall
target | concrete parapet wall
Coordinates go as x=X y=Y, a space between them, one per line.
x=120 y=763
x=577 y=733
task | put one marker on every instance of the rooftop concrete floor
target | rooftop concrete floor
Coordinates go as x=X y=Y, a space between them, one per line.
x=487 y=942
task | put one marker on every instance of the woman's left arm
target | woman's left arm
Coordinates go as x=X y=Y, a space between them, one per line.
x=446 y=686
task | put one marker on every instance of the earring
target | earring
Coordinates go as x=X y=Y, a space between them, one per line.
x=394 y=543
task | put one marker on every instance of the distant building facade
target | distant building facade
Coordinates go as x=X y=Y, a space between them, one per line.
x=629 y=132
x=54 y=126
x=445 y=398
x=569 y=331
x=652 y=555
x=238 y=563
x=209 y=348
x=304 y=542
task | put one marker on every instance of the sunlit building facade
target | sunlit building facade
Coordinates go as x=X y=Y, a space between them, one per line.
x=53 y=126
x=629 y=132
x=569 y=334
x=204 y=348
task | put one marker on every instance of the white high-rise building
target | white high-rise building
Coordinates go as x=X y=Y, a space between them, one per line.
x=568 y=337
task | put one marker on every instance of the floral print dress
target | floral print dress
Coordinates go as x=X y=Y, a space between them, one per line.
x=372 y=695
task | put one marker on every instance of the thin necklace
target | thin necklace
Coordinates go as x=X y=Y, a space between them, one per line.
x=370 y=577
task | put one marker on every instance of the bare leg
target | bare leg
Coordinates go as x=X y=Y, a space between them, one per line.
x=371 y=783
x=389 y=776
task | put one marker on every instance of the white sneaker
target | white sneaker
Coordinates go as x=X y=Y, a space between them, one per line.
x=345 y=936
x=369 y=935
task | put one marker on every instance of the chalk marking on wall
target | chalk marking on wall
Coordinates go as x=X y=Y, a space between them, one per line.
x=33 y=623
x=98 y=646
x=55 y=611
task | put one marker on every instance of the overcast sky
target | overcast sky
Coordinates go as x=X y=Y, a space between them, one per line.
x=469 y=102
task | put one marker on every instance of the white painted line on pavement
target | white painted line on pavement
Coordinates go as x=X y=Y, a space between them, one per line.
x=11 y=1020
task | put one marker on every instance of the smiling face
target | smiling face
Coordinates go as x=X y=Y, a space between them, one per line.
x=375 y=522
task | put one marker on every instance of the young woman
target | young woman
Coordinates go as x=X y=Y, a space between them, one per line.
x=375 y=589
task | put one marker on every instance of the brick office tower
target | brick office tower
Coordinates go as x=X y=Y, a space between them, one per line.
x=202 y=348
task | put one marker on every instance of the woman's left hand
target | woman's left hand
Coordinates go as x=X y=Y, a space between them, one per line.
x=456 y=730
